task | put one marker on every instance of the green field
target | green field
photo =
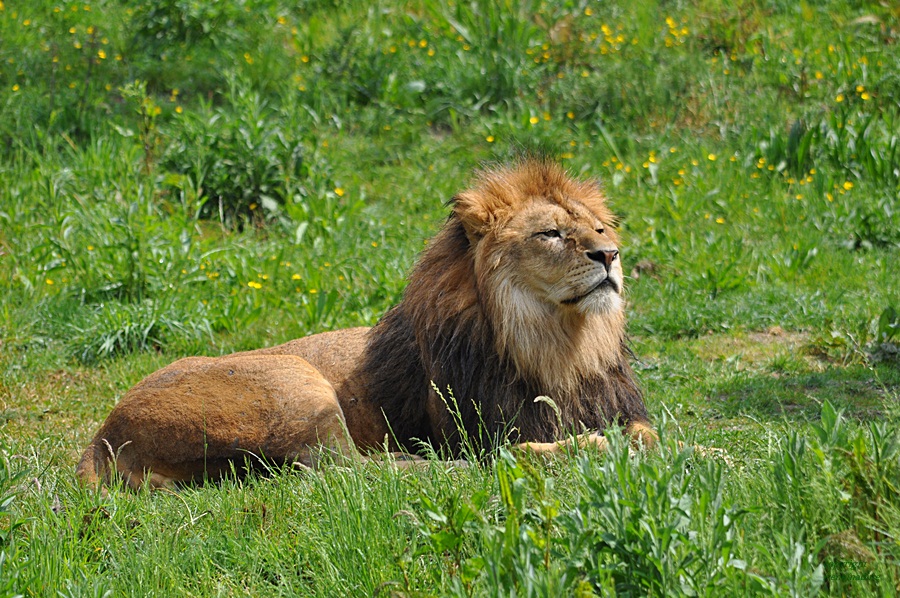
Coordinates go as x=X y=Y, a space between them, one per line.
x=195 y=177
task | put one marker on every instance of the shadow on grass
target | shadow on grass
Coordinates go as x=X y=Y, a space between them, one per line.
x=864 y=393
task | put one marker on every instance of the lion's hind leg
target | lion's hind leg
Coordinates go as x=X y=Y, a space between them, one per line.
x=200 y=418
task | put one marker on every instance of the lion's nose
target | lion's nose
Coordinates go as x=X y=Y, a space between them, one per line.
x=604 y=256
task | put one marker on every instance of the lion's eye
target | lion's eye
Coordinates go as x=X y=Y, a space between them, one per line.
x=550 y=234
x=601 y=230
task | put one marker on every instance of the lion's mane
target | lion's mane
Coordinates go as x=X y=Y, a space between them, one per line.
x=462 y=325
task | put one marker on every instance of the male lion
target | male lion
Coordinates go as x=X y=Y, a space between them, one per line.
x=518 y=296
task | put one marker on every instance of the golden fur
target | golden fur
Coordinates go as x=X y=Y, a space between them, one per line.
x=518 y=296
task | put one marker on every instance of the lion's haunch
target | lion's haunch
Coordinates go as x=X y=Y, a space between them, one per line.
x=518 y=296
x=196 y=417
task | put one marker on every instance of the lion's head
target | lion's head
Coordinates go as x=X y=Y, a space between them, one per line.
x=546 y=263
x=519 y=295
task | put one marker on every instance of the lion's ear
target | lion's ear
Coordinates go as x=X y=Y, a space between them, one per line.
x=474 y=214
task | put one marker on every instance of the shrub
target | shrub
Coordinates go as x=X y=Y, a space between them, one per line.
x=242 y=158
x=114 y=329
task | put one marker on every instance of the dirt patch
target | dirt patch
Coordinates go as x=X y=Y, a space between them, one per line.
x=753 y=350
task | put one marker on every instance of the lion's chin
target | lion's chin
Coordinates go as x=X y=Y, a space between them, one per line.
x=603 y=299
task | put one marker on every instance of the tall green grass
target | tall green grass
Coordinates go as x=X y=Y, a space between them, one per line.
x=815 y=514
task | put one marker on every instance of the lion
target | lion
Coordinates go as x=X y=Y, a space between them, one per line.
x=517 y=299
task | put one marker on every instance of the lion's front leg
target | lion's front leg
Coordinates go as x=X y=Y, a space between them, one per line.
x=588 y=439
x=641 y=434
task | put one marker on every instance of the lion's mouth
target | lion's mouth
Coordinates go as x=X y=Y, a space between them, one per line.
x=607 y=284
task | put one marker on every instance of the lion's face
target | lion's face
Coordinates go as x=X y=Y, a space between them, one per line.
x=543 y=241
x=566 y=256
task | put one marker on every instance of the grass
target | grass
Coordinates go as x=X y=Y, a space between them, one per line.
x=211 y=177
